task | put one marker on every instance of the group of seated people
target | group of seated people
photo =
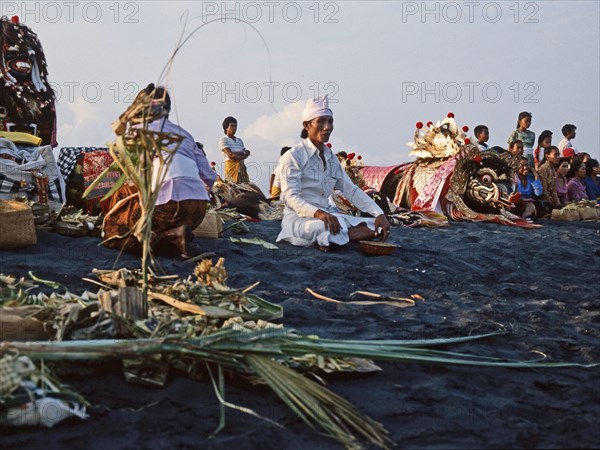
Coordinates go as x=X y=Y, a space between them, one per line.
x=549 y=176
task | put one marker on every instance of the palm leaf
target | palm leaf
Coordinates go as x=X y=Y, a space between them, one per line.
x=318 y=407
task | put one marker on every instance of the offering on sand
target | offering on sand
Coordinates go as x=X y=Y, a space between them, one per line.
x=375 y=248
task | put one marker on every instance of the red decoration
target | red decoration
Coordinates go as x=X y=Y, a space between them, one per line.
x=14 y=19
x=213 y=164
x=515 y=197
x=451 y=115
x=476 y=158
x=419 y=125
x=350 y=156
x=359 y=157
x=328 y=144
x=465 y=128
x=467 y=141
x=429 y=123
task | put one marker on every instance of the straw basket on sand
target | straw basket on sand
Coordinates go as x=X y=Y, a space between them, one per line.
x=16 y=225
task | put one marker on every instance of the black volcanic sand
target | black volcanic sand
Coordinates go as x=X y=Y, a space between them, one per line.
x=543 y=284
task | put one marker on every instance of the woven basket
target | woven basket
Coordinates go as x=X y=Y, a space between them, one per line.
x=587 y=213
x=16 y=225
x=565 y=215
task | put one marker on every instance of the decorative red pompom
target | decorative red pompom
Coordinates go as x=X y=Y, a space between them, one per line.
x=350 y=156
x=328 y=144
x=467 y=141
x=419 y=125
x=14 y=19
x=465 y=128
x=429 y=123
x=476 y=158
x=451 y=115
x=359 y=157
x=213 y=163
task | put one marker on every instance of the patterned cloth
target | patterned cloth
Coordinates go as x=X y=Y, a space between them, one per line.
x=17 y=165
x=119 y=222
x=374 y=176
x=67 y=158
x=547 y=174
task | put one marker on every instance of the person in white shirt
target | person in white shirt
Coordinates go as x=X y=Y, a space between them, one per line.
x=274 y=183
x=309 y=173
x=569 y=132
x=235 y=153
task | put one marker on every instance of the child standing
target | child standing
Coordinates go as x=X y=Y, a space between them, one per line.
x=523 y=134
x=569 y=132
x=482 y=133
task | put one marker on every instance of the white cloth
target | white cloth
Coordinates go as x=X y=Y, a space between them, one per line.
x=564 y=143
x=190 y=176
x=236 y=145
x=306 y=185
x=316 y=107
x=277 y=177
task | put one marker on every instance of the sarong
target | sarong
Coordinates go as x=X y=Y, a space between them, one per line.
x=235 y=171
x=123 y=217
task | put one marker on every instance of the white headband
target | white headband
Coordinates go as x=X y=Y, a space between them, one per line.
x=316 y=107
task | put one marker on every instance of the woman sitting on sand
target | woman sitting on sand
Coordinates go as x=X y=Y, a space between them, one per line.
x=309 y=173
x=592 y=179
x=529 y=186
x=576 y=185
x=561 y=181
x=547 y=172
x=182 y=200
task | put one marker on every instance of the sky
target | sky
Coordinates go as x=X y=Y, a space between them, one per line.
x=385 y=65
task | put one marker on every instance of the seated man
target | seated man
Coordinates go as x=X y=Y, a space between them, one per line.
x=182 y=199
x=274 y=182
x=309 y=173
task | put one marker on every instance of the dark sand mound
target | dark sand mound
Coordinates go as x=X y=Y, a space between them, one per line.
x=543 y=284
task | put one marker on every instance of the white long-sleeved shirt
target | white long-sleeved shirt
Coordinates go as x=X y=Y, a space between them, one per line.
x=306 y=183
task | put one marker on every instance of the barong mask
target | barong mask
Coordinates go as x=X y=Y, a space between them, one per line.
x=485 y=180
x=25 y=92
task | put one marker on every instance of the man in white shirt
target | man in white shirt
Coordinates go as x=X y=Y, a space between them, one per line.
x=309 y=173
x=569 y=132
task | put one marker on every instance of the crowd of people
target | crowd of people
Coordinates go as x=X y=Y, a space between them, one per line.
x=549 y=176
x=308 y=173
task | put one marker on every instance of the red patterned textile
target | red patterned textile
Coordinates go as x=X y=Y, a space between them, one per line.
x=375 y=175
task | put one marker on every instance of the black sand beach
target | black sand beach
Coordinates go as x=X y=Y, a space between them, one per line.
x=541 y=284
